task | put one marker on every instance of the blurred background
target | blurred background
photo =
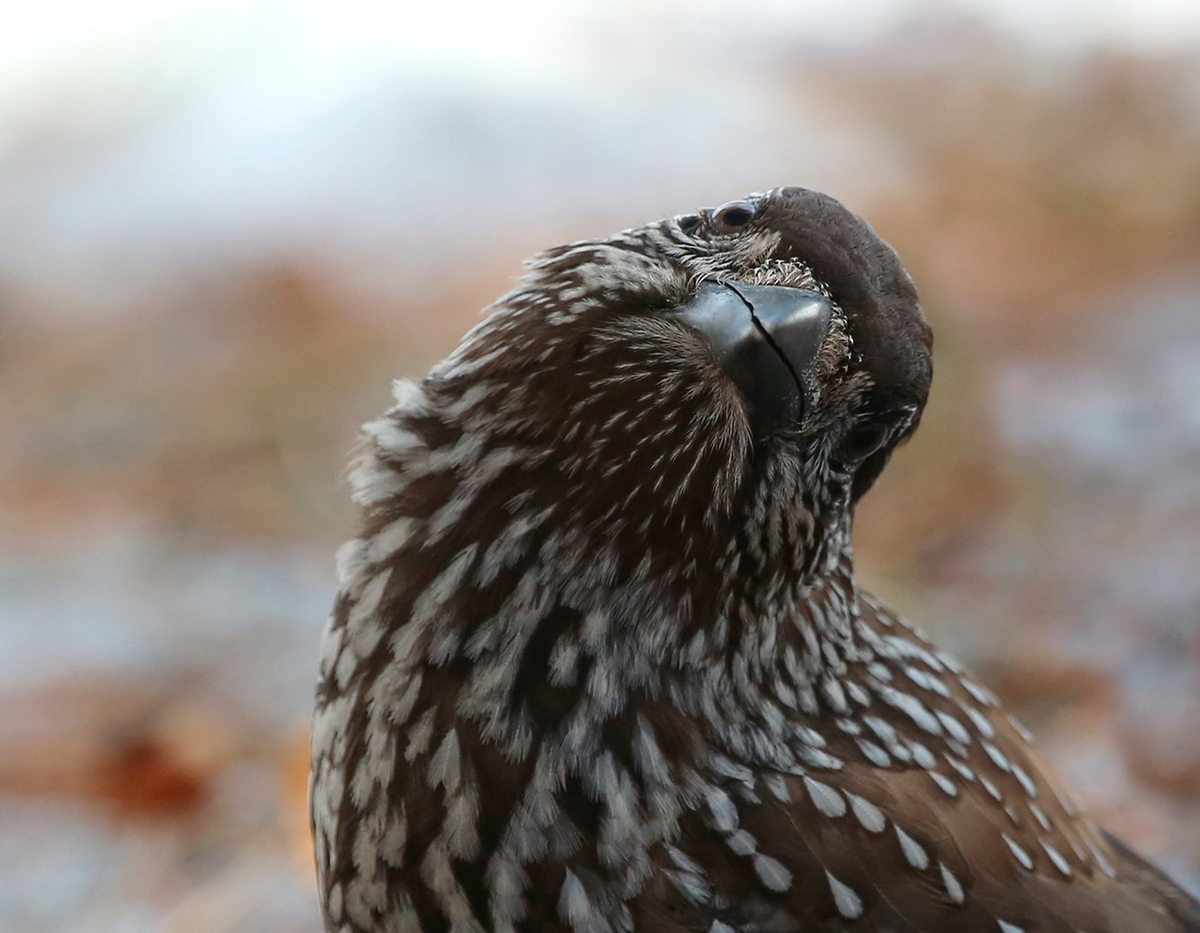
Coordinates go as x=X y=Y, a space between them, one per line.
x=225 y=226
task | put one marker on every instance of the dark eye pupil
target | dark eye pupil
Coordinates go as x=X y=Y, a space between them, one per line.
x=863 y=440
x=731 y=216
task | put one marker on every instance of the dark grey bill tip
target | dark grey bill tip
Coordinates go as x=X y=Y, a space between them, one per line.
x=766 y=337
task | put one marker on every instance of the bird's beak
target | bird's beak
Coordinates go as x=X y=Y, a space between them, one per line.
x=767 y=338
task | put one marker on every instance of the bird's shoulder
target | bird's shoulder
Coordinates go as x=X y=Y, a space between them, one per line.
x=927 y=809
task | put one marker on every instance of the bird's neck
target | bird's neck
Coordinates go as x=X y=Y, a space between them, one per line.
x=807 y=626
x=788 y=642
x=780 y=632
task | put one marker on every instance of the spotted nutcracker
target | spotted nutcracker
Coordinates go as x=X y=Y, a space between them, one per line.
x=600 y=663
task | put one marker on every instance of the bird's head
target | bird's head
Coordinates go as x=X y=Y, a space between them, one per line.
x=720 y=386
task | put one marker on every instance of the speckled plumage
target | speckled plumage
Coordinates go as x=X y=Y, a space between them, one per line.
x=599 y=662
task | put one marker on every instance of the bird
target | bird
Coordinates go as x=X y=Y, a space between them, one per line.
x=599 y=661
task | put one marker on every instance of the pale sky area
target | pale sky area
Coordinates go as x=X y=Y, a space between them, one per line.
x=187 y=127
x=49 y=44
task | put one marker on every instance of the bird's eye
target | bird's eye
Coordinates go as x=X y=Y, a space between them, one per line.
x=863 y=441
x=731 y=217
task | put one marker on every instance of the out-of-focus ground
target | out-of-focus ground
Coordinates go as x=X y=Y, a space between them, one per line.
x=203 y=293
